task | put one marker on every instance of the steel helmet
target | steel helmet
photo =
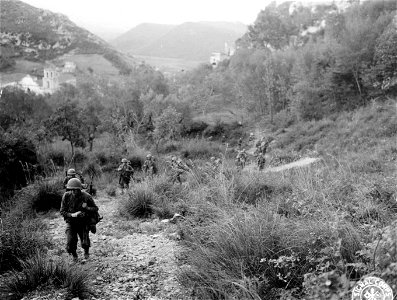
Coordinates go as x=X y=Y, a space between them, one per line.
x=148 y=156
x=71 y=172
x=173 y=158
x=124 y=160
x=212 y=158
x=74 y=184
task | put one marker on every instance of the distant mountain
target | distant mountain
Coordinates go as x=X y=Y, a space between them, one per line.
x=141 y=36
x=35 y=34
x=190 y=40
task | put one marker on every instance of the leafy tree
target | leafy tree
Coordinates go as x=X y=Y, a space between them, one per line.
x=271 y=29
x=91 y=119
x=67 y=122
x=167 y=125
x=22 y=109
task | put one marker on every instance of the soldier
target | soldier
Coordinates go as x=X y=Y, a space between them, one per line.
x=251 y=137
x=71 y=173
x=149 y=166
x=178 y=168
x=265 y=144
x=241 y=159
x=76 y=208
x=240 y=143
x=260 y=160
x=126 y=171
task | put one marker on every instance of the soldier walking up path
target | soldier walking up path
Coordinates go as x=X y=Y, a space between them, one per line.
x=129 y=261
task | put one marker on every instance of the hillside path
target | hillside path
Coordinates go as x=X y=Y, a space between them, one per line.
x=258 y=133
x=130 y=259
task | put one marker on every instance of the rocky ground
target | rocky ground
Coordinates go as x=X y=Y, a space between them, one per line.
x=130 y=259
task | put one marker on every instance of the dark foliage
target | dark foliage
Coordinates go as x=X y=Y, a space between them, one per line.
x=18 y=160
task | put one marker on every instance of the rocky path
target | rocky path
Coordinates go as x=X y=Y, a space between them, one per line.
x=130 y=259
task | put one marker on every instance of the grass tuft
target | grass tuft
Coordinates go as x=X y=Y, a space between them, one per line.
x=139 y=202
x=40 y=271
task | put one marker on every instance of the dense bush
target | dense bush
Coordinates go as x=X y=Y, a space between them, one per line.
x=21 y=234
x=16 y=153
x=39 y=271
x=48 y=195
x=200 y=148
x=253 y=254
x=58 y=157
x=195 y=129
x=139 y=202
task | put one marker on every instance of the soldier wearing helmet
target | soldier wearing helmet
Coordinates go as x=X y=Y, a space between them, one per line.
x=77 y=208
x=251 y=137
x=71 y=173
x=177 y=168
x=149 y=167
x=241 y=159
x=126 y=171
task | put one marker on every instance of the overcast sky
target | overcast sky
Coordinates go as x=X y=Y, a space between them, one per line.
x=122 y=15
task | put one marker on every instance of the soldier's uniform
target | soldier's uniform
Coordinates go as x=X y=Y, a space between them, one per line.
x=241 y=159
x=240 y=143
x=260 y=159
x=77 y=226
x=126 y=171
x=149 y=166
x=178 y=168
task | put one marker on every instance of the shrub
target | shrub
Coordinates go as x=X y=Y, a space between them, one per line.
x=19 y=239
x=78 y=158
x=163 y=209
x=57 y=156
x=48 y=195
x=195 y=128
x=20 y=234
x=139 y=202
x=253 y=187
x=106 y=159
x=253 y=254
x=169 y=146
x=194 y=149
x=165 y=189
x=15 y=150
x=40 y=270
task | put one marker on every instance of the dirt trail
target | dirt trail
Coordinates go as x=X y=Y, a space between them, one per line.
x=296 y=164
x=131 y=259
x=299 y=163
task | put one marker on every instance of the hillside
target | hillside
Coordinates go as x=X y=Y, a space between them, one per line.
x=35 y=34
x=141 y=36
x=190 y=40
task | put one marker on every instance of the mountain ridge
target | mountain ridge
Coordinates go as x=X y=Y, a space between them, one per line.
x=188 y=40
x=37 y=34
